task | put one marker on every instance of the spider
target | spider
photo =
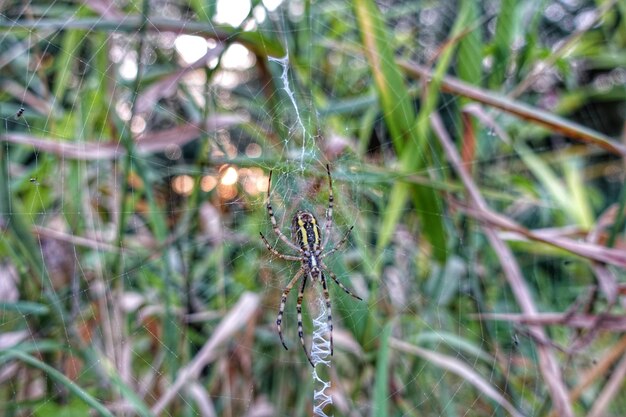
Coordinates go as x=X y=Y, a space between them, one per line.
x=306 y=239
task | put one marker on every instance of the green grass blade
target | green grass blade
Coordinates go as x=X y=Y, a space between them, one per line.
x=578 y=190
x=427 y=202
x=502 y=42
x=127 y=392
x=552 y=183
x=618 y=225
x=28 y=248
x=58 y=376
x=25 y=308
x=392 y=91
x=70 y=46
x=399 y=117
x=381 y=387
x=469 y=65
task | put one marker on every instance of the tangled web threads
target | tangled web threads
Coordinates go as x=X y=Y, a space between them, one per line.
x=284 y=63
x=320 y=353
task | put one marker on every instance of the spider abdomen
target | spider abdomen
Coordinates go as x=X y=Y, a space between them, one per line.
x=305 y=231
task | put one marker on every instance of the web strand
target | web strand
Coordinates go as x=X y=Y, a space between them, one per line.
x=284 y=63
x=320 y=354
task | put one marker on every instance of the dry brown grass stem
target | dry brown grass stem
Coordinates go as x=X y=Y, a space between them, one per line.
x=548 y=365
x=610 y=390
x=554 y=123
x=599 y=371
x=457 y=367
x=587 y=250
x=145 y=143
x=236 y=318
x=607 y=322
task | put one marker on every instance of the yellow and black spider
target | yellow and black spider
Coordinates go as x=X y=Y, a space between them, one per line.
x=306 y=239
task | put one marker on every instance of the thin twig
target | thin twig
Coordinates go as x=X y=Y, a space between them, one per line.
x=610 y=322
x=524 y=111
x=585 y=249
x=606 y=278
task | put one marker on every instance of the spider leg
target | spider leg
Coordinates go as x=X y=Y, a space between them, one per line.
x=330 y=316
x=300 y=331
x=276 y=253
x=329 y=212
x=338 y=245
x=270 y=211
x=283 y=300
x=334 y=277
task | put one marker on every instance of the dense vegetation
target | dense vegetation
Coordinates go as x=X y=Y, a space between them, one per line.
x=476 y=147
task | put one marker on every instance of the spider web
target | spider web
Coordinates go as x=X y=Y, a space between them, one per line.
x=174 y=311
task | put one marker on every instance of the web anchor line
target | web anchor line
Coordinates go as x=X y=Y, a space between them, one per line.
x=284 y=63
x=320 y=346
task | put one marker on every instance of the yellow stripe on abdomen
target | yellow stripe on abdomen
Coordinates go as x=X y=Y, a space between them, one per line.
x=302 y=231
x=315 y=231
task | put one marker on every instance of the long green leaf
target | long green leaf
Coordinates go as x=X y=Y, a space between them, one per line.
x=64 y=63
x=392 y=91
x=381 y=386
x=469 y=65
x=399 y=117
x=58 y=376
x=25 y=308
x=427 y=202
x=502 y=42
x=561 y=192
x=579 y=191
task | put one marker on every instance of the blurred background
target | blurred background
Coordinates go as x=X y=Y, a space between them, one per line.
x=476 y=147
